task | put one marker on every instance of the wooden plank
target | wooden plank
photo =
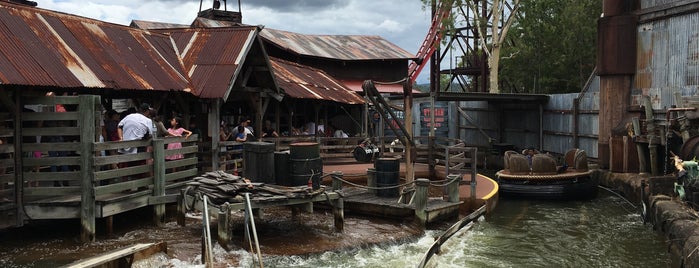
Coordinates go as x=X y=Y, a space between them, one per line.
x=122 y=158
x=52 y=146
x=114 y=145
x=52 y=161
x=163 y=199
x=121 y=172
x=6 y=178
x=123 y=186
x=51 y=191
x=52 y=176
x=106 y=209
x=50 y=116
x=52 y=212
x=7 y=148
x=51 y=131
x=121 y=257
x=182 y=162
x=181 y=174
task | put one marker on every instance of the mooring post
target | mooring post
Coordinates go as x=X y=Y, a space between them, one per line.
x=181 y=207
x=421 y=188
x=339 y=214
x=337 y=180
x=371 y=179
x=86 y=119
x=453 y=187
x=159 y=180
x=224 y=236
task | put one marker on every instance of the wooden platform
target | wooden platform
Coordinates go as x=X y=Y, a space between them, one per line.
x=353 y=171
x=361 y=201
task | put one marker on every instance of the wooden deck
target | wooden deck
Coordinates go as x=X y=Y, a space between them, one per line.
x=362 y=201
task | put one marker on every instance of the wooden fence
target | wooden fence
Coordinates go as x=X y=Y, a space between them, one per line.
x=63 y=171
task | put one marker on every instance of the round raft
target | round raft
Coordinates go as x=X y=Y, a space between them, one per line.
x=535 y=175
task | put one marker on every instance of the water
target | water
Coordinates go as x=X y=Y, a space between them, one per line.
x=604 y=232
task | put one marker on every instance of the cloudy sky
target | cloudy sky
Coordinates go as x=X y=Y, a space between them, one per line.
x=404 y=23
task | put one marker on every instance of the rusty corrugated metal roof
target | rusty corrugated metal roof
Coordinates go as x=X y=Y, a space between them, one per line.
x=213 y=57
x=45 y=48
x=342 y=47
x=151 y=25
x=303 y=82
x=200 y=22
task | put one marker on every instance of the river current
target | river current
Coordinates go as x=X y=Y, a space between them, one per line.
x=604 y=232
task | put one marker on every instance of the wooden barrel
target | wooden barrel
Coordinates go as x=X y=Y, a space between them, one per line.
x=305 y=164
x=281 y=168
x=257 y=158
x=387 y=175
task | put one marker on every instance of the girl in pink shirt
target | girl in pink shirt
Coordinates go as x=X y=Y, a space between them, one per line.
x=177 y=131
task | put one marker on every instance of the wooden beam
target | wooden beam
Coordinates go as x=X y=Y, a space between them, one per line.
x=123 y=257
x=214 y=123
x=159 y=180
x=86 y=109
x=19 y=170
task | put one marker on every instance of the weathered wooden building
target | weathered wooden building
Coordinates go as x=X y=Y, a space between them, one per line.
x=340 y=63
x=189 y=72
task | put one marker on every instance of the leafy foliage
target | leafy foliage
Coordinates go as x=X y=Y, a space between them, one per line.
x=551 y=48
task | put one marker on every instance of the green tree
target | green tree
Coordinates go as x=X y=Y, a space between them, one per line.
x=551 y=47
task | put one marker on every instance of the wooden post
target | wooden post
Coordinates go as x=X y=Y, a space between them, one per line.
x=371 y=179
x=159 y=180
x=86 y=121
x=181 y=207
x=109 y=225
x=339 y=214
x=337 y=183
x=224 y=229
x=453 y=187
x=214 y=126
x=420 y=199
x=474 y=172
x=19 y=169
x=408 y=120
x=642 y=165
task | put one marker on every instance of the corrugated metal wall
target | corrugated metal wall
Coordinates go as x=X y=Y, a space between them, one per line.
x=668 y=60
x=520 y=123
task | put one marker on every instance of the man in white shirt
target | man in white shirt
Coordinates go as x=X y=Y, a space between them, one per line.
x=248 y=130
x=135 y=126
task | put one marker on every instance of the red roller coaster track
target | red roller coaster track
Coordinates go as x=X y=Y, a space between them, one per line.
x=431 y=40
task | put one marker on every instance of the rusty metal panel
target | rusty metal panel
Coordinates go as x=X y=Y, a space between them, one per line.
x=150 y=25
x=344 y=47
x=200 y=22
x=299 y=81
x=668 y=60
x=213 y=57
x=45 y=48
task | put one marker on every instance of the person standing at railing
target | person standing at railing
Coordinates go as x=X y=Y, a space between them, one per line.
x=136 y=126
x=224 y=135
x=240 y=137
x=177 y=131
